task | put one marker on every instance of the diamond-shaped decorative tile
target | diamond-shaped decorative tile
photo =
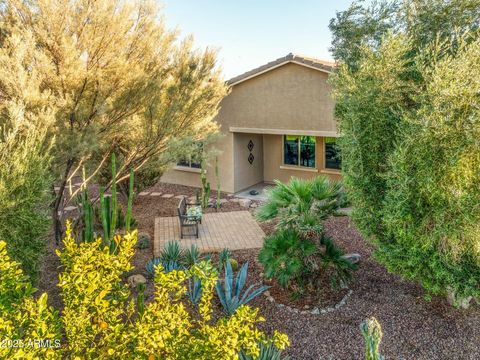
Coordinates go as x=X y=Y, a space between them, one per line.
x=250 y=145
x=251 y=158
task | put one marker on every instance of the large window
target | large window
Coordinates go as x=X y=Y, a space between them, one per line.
x=333 y=159
x=193 y=160
x=299 y=150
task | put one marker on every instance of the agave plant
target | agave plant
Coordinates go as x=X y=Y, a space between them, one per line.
x=191 y=256
x=267 y=352
x=167 y=265
x=230 y=292
x=194 y=291
x=223 y=257
x=171 y=252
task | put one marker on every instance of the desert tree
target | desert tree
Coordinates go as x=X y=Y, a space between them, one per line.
x=119 y=80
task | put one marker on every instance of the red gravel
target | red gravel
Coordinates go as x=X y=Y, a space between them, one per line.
x=413 y=327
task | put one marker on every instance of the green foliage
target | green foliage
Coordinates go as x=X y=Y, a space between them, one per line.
x=223 y=257
x=143 y=241
x=171 y=252
x=300 y=204
x=205 y=196
x=267 y=352
x=284 y=256
x=217 y=175
x=25 y=180
x=100 y=322
x=131 y=192
x=191 y=256
x=229 y=291
x=194 y=292
x=408 y=114
x=372 y=334
x=333 y=261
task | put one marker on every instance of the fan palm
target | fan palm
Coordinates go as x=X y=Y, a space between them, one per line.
x=300 y=204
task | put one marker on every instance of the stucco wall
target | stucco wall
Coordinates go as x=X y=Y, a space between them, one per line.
x=290 y=97
x=247 y=174
x=274 y=169
x=188 y=177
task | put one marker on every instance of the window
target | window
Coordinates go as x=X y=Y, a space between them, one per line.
x=299 y=150
x=333 y=158
x=194 y=159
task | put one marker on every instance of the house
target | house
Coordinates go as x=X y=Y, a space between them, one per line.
x=277 y=122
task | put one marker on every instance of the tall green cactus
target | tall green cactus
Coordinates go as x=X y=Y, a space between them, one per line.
x=372 y=334
x=114 y=211
x=128 y=218
x=105 y=216
x=205 y=186
x=217 y=175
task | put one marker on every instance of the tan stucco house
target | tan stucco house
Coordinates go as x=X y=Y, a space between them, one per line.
x=277 y=122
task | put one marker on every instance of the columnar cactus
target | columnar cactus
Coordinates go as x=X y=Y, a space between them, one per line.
x=372 y=334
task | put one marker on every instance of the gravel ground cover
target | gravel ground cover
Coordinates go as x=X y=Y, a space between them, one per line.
x=413 y=327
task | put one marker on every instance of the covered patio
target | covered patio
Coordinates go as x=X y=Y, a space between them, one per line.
x=235 y=230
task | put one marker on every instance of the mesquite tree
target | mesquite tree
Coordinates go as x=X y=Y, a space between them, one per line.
x=117 y=79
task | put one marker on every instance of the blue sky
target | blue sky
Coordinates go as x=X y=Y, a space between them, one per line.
x=250 y=33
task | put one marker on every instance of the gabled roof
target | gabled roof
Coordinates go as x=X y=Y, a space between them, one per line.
x=320 y=65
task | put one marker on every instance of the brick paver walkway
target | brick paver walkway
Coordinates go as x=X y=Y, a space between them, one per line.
x=234 y=230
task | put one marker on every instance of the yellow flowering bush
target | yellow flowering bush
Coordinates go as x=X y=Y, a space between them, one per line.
x=100 y=318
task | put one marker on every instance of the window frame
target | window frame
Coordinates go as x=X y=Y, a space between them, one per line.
x=190 y=161
x=299 y=167
x=336 y=170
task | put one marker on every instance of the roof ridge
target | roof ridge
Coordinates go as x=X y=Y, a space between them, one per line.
x=322 y=65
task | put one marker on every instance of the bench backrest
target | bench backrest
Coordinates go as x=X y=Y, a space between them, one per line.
x=182 y=207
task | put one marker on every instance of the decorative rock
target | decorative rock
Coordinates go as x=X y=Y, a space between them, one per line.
x=315 y=311
x=234 y=200
x=457 y=301
x=281 y=305
x=70 y=208
x=271 y=299
x=266 y=293
x=353 y=258
x=180 y=196
x=167 y=196
x=306 y=307
x=245 y=202
x=253 y=205
x=192 y=199
x=223 y=201
x=155 y=193
x=134 y=280
x=144 y=193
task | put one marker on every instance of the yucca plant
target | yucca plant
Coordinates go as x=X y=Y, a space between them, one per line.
x=171 y=252
x=267 y=352
x=229 y=291
x=372 y=334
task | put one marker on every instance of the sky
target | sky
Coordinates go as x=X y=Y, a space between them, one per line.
x=250 y=33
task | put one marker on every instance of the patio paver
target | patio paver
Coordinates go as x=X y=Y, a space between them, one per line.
x=235 y=230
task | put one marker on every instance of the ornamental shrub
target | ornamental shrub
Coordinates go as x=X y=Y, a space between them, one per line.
x=100 y=319
x=409 y=116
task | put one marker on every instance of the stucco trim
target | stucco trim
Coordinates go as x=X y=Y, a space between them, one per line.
x=316 y=64
x=235 y=129
x=331 y=172
x=298 y=168
x=187 y=169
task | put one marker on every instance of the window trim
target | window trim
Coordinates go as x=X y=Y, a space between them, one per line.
x=298 y=167
x=325 y=169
